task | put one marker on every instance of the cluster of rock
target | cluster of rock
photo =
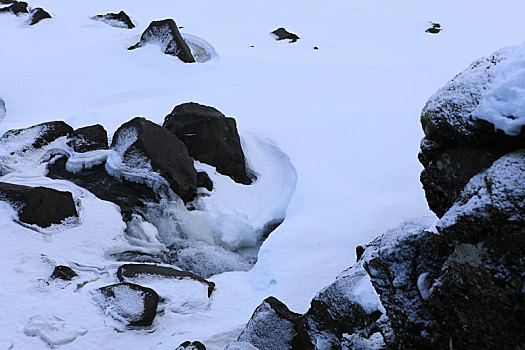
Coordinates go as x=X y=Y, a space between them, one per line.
x=458 y=285
x=19 y=8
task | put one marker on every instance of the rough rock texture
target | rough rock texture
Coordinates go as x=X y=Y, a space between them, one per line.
x=131 y=271
x=161 y=150
x=129 y=196
x=210 y=137
x=194 y=345
x=282 y=34
x=272 y=326
x=166 y=34
x=119 y=20
x=45 y=133
x=62 y=272
x=89 y=138
x=39 y=206
x=16 y=8
x=457 y=146
x=38 y=14
x=203 y=180
x=135 y=304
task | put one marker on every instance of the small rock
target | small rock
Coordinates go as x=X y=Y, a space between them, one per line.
x=137 y=305
x=166 y=34
x=282 y=34
x=436 y=28
x=119 y=20
x=38 y=14
x=62 y=272
x=316 y=48
x=194 y=345
x=89 y=138
x=203 y=180
x=130 y=271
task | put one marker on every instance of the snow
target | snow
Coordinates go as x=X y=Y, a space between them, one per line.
x=346 y=115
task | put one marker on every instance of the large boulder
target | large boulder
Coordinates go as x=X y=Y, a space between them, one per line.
x=39 y=206
x=89 y=138
x=462 y=137
x=210 y=137
x=136 y=305
x=16 y=8
x=148 y=146
x=119 y=20
x=129 y=272
x=166 y=34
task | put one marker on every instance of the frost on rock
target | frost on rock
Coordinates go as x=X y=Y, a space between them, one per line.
x=52 y=330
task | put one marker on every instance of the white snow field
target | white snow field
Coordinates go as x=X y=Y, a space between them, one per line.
x=345 y=115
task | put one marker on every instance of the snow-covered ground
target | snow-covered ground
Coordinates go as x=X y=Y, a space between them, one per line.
x=347 y=116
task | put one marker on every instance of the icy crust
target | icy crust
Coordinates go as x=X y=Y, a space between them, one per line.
x=53 y=330
x=490 y=89
x=17 y=147
x=201 y=50
x=498 y=190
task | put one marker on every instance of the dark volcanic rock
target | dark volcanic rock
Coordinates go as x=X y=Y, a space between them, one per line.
x=62 y=272
x=136 y=304
x=194 y=345
x=45 y=133
x=203 y=180
x=89 y=138
x=272 y=326
x=210 y=137
x=457 y=146
x=16 y=8
x=39 y=205
x=129 y=196
x=282 y=34
x=119 y=20
x=166 y=154
x=166 y=34
x=38 y=14
x=131 y=271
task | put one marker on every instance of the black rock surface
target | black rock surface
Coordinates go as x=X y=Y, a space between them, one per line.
x=210 y=137
x=283 y=34
x=89 y=138
x=38 y=14
x=119 y=20
x=62 y=272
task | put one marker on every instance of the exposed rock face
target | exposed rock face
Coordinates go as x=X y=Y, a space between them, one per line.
x=62 y=272
x=39 y=205
x=210 y=137
x=129 y=196
x=119 y=20
x=131 y=271
x=89 y=138
x=166 y=34
x=282 y=34
x=38 y=14
x=45 y=133
x=137 y=305
x=16 y=8
x=457 y=146
x=144 y=144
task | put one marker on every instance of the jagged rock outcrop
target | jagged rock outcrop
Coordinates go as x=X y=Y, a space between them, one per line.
x=37 y=14
x=166 y=34
x=458 y=144
x=119 y=20
x=136 y=305
x=210 y=137
x=129 y=272
x=144 y=144
x=39 y=206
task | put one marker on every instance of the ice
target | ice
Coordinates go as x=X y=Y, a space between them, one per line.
x=82 y=161
x=52 y=330
x=424 y=282
x=201 y=50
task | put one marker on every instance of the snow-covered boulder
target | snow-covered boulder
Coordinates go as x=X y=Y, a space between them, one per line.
x=210 y=137
x=89 y=138
x=35 y=136
x=130 y=272
x=39 y=206
x=193 y=345
x=166 y=34
x=119 y=20
x=54 y=331
x=16 y=8
x=146 y=148
x=37 y=14
x=470 y=122
x=62 y=272
x=130 y=303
